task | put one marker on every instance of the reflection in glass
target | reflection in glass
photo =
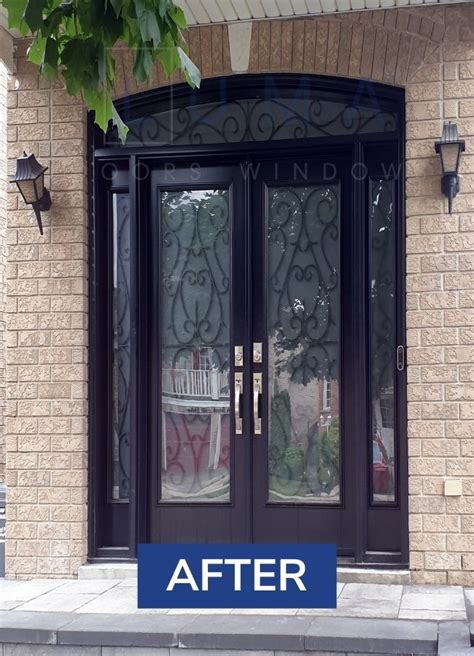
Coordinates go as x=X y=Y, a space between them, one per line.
x=303 y=333
x=383 y=338
x=121 y=348
x=194 y=311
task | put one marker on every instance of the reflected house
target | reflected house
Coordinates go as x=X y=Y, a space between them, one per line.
x=196 y=425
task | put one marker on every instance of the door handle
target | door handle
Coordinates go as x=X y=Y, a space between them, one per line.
x=238 y=390
x=257 y=392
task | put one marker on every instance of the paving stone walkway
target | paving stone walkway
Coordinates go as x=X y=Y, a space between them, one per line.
x=354 y=600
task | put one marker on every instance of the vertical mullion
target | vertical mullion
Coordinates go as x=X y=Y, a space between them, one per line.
x=360 y=362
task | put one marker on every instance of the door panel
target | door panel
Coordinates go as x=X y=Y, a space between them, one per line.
x=302 y=486
x=200 y=482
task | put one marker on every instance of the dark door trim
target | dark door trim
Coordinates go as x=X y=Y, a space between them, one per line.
x=116 y=528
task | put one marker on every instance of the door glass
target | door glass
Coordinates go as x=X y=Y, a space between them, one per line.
x=121 y=348
x=195 y=336
x=382 y=339
x=303 y=343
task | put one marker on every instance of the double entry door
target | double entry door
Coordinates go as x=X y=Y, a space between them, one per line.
x=260 y=422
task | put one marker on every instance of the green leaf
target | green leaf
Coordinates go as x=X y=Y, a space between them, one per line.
x=143 y=64
x=101 y=104
x=36 y=51
x=56 y=18
x=16 y=11
x=163 y=6
x=179 y=17
x=168 y=54
x=75 y=40
x=34 y=14
x=190 y=70
x=118 y=6
x=49 y=65
x=121 y=127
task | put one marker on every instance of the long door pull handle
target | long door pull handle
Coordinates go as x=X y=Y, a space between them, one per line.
x=257 y=394
x=239 y=389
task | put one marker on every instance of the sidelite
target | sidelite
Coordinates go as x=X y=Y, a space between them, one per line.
x=246 y=307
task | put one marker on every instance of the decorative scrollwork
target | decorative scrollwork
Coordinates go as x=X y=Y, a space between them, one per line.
x=121 y=353
x=260 y=119
x=195 y=273
x=304 y=280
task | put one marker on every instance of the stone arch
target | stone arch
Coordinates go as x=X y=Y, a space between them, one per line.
x=388 y=46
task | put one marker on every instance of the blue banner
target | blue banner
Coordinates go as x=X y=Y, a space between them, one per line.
x=237 y=576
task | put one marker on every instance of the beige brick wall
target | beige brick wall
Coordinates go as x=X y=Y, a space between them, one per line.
x=3 y=221
x=47 y=338
x=429 y=51
x=440 y=300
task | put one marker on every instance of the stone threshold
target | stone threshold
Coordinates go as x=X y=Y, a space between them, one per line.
x=269 y=635
x=105 y=571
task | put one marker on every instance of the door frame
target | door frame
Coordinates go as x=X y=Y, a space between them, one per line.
x=116 y=528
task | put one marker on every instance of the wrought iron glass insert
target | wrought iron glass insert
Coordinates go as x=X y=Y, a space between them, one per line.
x=121 y=348
x=303 y=343
x=256 y=119
x=382 y=338
x=195 y=336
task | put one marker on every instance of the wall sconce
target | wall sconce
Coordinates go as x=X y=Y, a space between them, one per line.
x=449 y=148
x=29 y=179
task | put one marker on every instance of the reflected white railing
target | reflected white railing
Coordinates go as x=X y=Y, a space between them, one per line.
x=195 y=383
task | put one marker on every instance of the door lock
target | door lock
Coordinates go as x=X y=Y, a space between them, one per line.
x=239 y=356
x=257 y=352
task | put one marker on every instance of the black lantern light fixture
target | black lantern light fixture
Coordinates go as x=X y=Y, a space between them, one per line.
x=449 y=148
x=29 y=179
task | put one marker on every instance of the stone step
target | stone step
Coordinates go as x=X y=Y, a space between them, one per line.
x=216 y=635
x=106 y=571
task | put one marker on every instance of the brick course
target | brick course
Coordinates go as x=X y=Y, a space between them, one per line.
x=430 y=52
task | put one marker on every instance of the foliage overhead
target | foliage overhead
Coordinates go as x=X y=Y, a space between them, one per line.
x=73 y=40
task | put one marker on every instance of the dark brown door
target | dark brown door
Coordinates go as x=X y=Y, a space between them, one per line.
x=303 y=484
x=273 y=346
x=200 y=453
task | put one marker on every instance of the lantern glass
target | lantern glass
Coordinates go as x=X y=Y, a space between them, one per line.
x=28 y=191
x=39 y=186
x=450 y=153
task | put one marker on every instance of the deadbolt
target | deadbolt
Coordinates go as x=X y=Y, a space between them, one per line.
x=257 y=352
x=239 y=356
